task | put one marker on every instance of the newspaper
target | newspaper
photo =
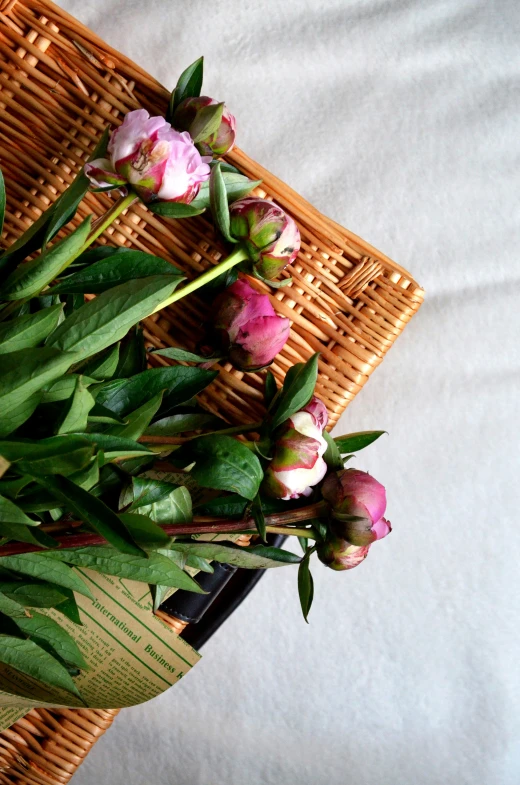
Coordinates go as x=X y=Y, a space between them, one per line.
x=132 y=655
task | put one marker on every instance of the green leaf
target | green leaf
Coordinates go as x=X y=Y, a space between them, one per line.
x=143 y=529
x=69 y=607
x=219 y=203
x=206 y=122
x=256 y=558
x=114 y=446
x=48 y=634
x=100 y=413
x=37 y=566
x=297 y=390
x=174 y=507
x=115 y=270
x=198 y=563
x=2 y=202
x=352 y=442
x=31 y=534
x=24 y=372
x=156 y=568
x=13 y=487
x=10 y=513
x=234 y=506
x=132 y=355
x=57 y=215
x=305 y=587
x=91 y=509
x=270 y=389
x=64 y=454
x=10 y=607
x=77 y=414
x=34 y=594
x=183 y=423
x=103 y=366
x=180 y=383
x=138 y=420
x=174 y=209
x=19 y=415
x=259 y=517
x=188 y=85
x=30 y=278
x=27 y=657
x=332 y=455
x=226 y=464
x=29 y=330
x=237 y=186
x=62 y=389
x=175 y=353
x=89 y=476
x=106 y=319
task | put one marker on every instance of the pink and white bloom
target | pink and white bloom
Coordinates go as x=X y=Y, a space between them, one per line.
x=270 y=235
x=147 y=154
x=358 y=504
x=248 y=328
x=298 y=464
x=220 y=141
x=339 y=554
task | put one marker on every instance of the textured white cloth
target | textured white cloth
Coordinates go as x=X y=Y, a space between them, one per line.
x=397 y=119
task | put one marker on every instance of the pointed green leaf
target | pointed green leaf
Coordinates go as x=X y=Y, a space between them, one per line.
x=106 y=319
x=29 y=330
x=24 y=372
x=34 y=594
x=237 y=186
x=37 y=566
x=89 y=476
x=30 y=278
x=11 y=513
x=10 y=607
x=188 y=85
x=157 y=568
x=103 y=366
x=332 y=455
x=63 y=454
x=77 y=415
x=91 y=509
x=206 y=122
x=305 y=587
x=183 y=423
x=48 y=634
x=30 y=534
x=226 y=464
x=258 y=516
x=19 y=414
x=252 y=558
x=27 y=657
x=297 y=390
x=143 y=529
x=114 y=446
x=114 y=270
x=219 y=203
x=175 y=353
x=138 y=420
x=174 y=209
x=173 y=507
x=353 y=442
x=132 y=355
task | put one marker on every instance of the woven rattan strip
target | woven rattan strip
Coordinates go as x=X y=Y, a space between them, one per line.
x=347 y=300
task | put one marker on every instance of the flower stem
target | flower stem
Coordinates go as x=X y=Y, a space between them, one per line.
x=238 y=255
x=104 y=221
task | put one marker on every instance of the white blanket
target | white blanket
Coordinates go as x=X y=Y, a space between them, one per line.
x=397 y=119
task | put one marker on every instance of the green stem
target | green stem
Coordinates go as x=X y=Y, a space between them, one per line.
x=102 y=223
x=305 y=533
x=238 y=255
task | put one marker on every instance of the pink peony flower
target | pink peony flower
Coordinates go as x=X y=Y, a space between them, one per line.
x=248 y=327
x=218 y=143
x=156 y=161
x=270 y=235
x=358 y=504
x=298 y=464
x=341 y=555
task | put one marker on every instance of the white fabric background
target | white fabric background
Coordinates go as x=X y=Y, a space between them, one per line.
x=399 y=120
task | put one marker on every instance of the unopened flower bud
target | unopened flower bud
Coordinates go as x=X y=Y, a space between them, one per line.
x=270 y=235
x=156 y=161
x=220 y=141
x=298 y=464
x=358 y=503
x=339 y=554
x=248 y=328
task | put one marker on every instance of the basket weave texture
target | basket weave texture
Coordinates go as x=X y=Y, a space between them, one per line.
x=347 y=300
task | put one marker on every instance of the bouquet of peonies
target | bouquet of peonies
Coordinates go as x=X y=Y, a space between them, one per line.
x=87 y=430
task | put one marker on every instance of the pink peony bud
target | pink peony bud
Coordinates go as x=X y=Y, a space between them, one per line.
x=249 y=328
x=218 y=143
x=341 y=555
x=358 y=503
x=318 y=411
x=156 y=161
x=297 y=465
x=269 y=234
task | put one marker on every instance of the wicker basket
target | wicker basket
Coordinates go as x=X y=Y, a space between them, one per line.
x=347 y=300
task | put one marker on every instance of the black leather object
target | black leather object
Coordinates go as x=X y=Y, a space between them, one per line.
x=227 y=587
